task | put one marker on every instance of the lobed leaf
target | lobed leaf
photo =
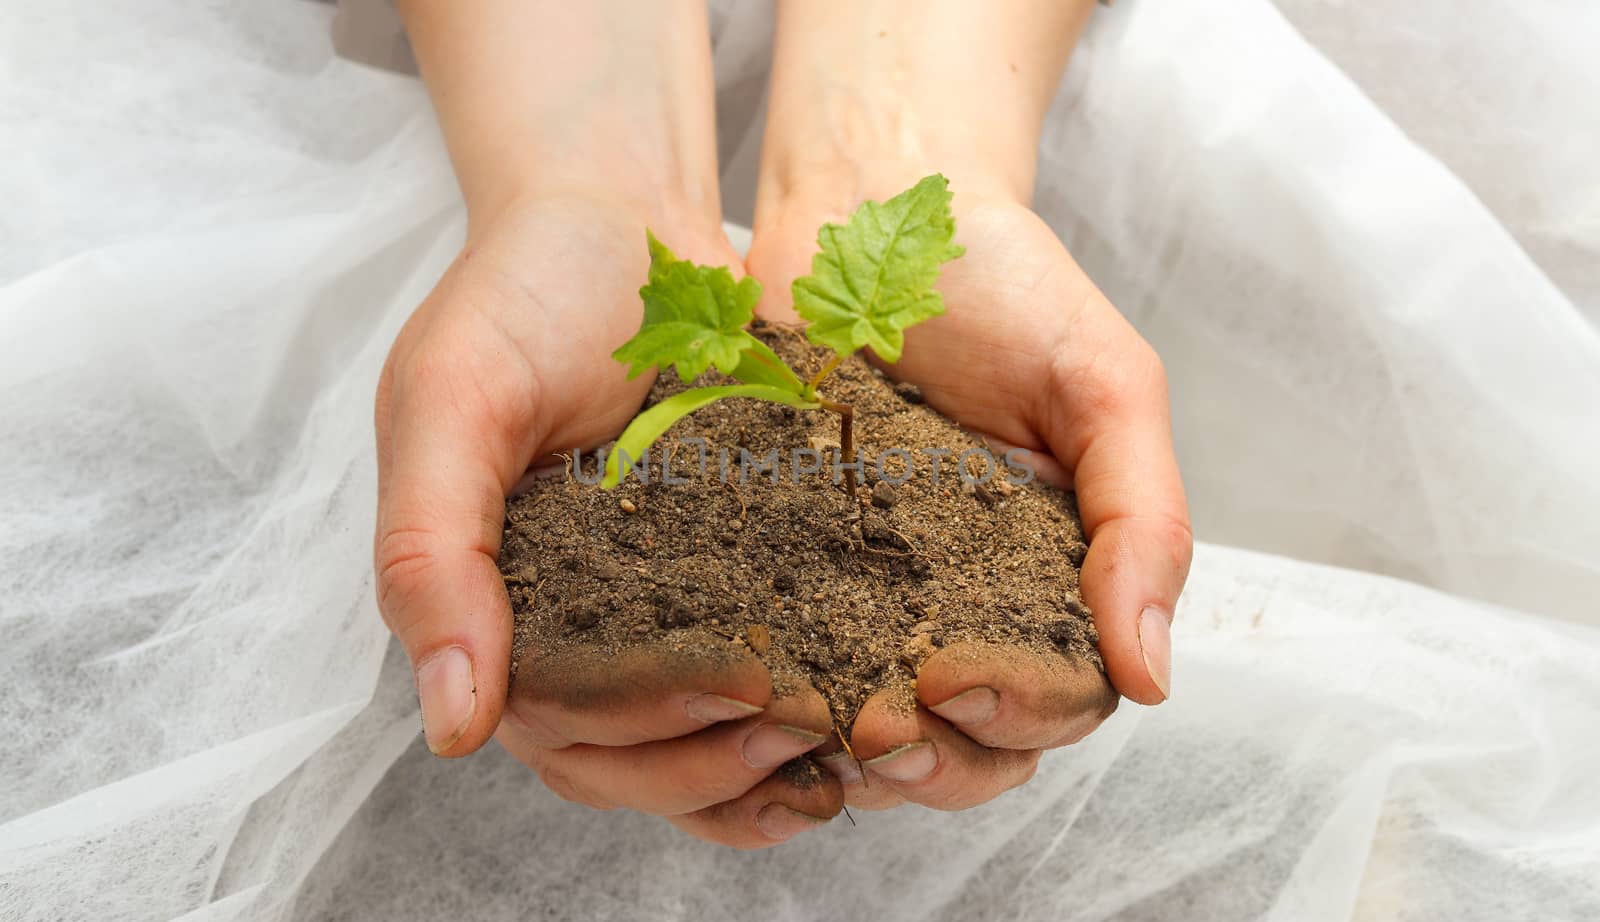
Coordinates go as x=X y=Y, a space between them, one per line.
x=694 y=318
x=875 y=274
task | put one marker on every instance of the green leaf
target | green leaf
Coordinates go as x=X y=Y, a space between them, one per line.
x=875 y=274
x=694 y=317
x=760 y=365
x=649 y=425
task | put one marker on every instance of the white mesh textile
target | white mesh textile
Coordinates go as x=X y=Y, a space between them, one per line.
x=1364 y=239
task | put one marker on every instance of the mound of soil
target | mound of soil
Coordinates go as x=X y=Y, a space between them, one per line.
x=848 y=595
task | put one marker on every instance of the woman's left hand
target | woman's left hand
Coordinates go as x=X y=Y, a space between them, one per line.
x=1032 y=355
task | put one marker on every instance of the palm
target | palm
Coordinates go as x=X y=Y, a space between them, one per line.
x=519 y=332
x=1029 y=352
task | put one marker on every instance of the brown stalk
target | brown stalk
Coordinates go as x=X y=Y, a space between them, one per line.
x=847 y=415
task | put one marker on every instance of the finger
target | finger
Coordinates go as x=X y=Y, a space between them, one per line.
x=858 y=792
x=445 y=460
x=843 y=764
x=583 y=694
x=927 y=761
x=797 y=798
x=1043 y=465
x=1107 y=420
x=1011 y=697
x=688 y=773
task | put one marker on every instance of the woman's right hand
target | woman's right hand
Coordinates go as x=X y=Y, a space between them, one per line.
x=507 y=362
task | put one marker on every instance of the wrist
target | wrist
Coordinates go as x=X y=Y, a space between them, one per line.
x=609 y=99
x=869 y=96
x=833 y=144
x=648 y=194
x=832 y=184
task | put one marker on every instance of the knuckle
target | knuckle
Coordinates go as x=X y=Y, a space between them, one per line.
x=404 y=561
x=452 y=371
x=701 y=788
x=563 y=785
x=1126 y=382
x=1027 y=768
x=872 y=798
x=1166 y=541
x=954 y=801
x=1006 y=770
x=533 y=718
x=1117 y=377
x=1178 y=537
x=1151 y=542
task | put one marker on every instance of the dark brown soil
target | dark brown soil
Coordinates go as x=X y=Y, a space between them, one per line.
x=848 y=596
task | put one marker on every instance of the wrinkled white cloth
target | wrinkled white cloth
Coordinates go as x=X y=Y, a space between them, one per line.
x=1366 y=239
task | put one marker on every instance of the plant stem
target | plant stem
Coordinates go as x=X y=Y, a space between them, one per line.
x=827 y=370
x=847 y=415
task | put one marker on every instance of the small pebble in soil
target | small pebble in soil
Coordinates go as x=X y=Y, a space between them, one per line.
x=883 y=495
x=628 y=506
x=919 y=648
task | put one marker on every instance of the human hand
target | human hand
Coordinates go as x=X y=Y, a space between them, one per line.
x=571 y=127
x=1031 y=354
x=866 y=98
x=505 y=363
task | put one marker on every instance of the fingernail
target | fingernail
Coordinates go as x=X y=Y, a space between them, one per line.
x=843 y=765
x=906 y=764
x=449 y=697
x=971 y=708
x=771 y=745
x=709 y=708
x=1155 y=642
x=778 y=822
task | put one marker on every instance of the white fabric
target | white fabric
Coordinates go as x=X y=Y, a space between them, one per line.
x=1364 y=237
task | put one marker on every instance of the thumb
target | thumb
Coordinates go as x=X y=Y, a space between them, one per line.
x=1109 y=422
x=441 y=504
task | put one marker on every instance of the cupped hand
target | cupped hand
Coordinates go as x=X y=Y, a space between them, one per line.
x=506 y=363
x=1033 y=356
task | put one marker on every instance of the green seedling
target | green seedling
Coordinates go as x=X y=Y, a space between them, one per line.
x=872 y=278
